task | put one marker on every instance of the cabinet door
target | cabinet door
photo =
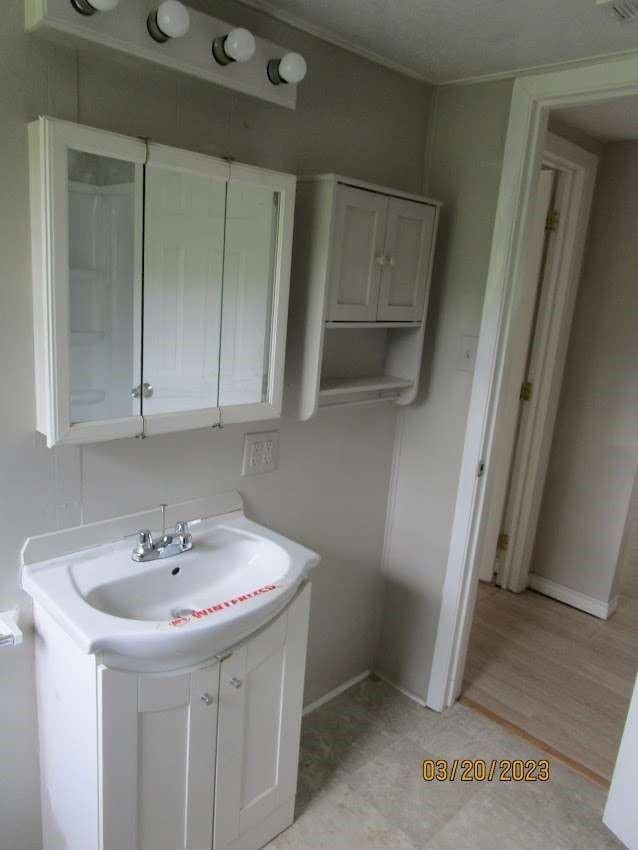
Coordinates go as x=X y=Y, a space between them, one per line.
x=86 y=218
x=405 y=279
x=258 y=240
x=358 y=238
x=185 y=213
x=260 y=702
x=157 y=752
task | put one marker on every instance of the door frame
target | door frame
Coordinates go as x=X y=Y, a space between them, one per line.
x=517 y=515
x=494 y=399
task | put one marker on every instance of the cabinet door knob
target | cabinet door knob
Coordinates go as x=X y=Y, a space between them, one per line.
x=145 y=390
x=380 y=260
x=236 y=683
x=390 y=261
x=207 y=699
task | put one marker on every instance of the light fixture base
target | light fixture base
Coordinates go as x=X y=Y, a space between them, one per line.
x=273 y=73
x=83 y=7
x=152 y=26
x=219 y=54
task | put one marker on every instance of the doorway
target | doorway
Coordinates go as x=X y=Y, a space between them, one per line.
x=559 y=663
x=494 y=406
x=554 y=248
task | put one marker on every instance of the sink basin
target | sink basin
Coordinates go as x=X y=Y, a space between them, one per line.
x=237 y=577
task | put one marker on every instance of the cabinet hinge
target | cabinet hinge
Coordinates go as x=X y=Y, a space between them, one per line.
x=503 y=542
x=553 y=220
x=526 y=391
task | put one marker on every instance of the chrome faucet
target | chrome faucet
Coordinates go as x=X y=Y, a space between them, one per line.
x=168 y=545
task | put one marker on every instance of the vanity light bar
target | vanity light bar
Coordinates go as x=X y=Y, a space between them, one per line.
x=171 y=19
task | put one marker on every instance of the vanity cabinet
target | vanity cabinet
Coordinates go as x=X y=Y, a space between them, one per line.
x=260 y=703
x=157 y=736
x=177 y=759
x=161 y=282
x=362 y=264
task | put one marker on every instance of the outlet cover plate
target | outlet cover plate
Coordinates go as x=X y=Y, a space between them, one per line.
x=261 y=453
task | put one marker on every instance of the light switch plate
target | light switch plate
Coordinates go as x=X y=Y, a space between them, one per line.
x=261 y=453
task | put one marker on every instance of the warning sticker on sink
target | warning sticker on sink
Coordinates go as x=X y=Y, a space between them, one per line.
x=221 y=606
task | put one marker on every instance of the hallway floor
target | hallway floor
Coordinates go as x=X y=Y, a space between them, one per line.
x=360 y=784
x=562 y=676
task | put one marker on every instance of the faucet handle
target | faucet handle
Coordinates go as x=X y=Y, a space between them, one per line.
x=145 y=539
x=144 y=543
x=181 y=531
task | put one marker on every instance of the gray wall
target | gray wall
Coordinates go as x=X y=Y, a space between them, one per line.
x=469 y=126
x=331 y=489
x=594 y=453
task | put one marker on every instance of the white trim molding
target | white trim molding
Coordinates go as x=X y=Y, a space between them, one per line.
x=493 y=408
x=544 y=67
x=588 y=604
x=517 y=508
x=331 y=37
x=335 y=692
x=404 y=691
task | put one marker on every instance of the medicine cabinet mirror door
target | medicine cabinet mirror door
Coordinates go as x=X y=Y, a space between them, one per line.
x=359 y=241
x=216 y=270
x=408 y=246
x=258 y=237
x=87 y=315
x=185 y=212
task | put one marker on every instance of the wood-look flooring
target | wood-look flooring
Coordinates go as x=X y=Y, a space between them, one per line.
x=561 y=676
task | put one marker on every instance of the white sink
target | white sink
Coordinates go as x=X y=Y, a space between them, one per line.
x=236 y=578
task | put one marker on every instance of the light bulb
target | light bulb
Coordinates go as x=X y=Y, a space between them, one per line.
x=104 y=5
x=90 y=7
x=291 y=68
x=238 y=46
x=169 y=20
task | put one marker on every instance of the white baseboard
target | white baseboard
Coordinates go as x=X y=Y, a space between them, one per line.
x=355 y=680
x=336 y=691
x=401 y=690
x=602 y=610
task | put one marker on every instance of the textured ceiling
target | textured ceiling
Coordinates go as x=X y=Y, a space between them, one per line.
x=608 y=121
x=447 y=40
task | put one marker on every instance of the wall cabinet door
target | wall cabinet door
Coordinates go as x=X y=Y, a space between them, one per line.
x=260 y=702
x=157 y=740
x=86 y=221
x=359 y=235
x=408 y=245
x=259 y=221
x=185 y=213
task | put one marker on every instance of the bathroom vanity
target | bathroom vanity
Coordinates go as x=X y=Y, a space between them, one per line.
x=170 y=692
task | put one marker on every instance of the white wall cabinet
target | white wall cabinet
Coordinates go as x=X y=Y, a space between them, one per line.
x=172 y=760
x=161 y=282
x=362 y=264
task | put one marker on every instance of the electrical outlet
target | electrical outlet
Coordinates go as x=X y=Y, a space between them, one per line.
x=261 y=453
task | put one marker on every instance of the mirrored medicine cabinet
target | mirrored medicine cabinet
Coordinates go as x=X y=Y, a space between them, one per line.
x=161 y=282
